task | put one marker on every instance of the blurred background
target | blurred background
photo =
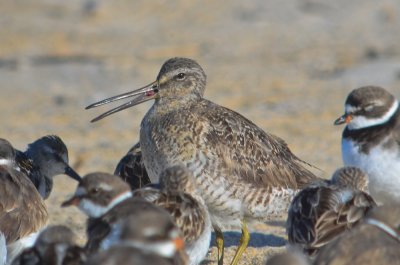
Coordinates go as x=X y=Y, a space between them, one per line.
x=286 y=65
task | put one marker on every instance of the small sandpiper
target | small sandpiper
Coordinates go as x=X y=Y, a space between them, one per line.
x=242 y=173
x=375 y=240
x=371 y=139
x=147 y=237
x=44 y=159
x=178 y=195
x=22 y=210
x=326 y=209
x=132 y=170
x=56 y=245
x=102 y=197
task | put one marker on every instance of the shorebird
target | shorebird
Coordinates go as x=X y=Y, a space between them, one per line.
x=106 y=200
x=22 y=211
x=375 y=240
x=242 y=172
x=324 y=210
x=56 y=245
x=178 y=195
x=44 y=159
x=349 y=176
x=132 y=170
x=102 y=197
x=371 y=139
x=147 y=237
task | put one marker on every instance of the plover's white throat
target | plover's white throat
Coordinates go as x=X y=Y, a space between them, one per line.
x=371 y=139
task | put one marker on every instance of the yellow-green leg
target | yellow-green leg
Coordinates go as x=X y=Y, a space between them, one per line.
x=219 y=239
x=244 y=241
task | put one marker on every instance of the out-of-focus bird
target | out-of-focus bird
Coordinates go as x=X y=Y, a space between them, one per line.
x=132 y=170
x=326 y=209
x=56 y=245
x=375 y=240
x=178 y=195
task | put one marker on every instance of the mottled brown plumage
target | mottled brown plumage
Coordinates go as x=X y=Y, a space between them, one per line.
x=22 y=210
x=375 y=240
x=179 y=197
x=352 y=177
x=326 y=209
x=242 y=172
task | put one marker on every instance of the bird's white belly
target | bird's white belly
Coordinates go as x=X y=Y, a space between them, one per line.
x=382 y=167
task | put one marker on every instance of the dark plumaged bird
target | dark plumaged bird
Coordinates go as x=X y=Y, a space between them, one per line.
x=132 y=170
x=45 y=158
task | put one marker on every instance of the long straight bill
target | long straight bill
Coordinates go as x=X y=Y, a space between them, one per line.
x=143 y=94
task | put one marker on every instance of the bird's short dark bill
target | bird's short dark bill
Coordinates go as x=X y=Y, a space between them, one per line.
x=70 y=172
x=143 y=94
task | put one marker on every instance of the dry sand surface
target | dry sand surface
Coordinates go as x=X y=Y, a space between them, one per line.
x=286 y=65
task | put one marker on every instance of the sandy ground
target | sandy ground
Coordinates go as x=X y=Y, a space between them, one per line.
x=286 y=65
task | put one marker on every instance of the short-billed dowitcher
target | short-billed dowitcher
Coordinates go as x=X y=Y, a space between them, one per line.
x=242 y=172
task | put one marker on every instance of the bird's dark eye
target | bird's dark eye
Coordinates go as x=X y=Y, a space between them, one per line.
x=180 y=76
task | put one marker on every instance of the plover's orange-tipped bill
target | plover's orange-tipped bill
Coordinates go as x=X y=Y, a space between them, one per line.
x=179 y=243
x=142 y=94
x=346 y=118
x=74 y=200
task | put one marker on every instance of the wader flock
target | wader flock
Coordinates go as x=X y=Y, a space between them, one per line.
x=199 y=169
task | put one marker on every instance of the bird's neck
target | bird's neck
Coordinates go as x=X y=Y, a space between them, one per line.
x=43 y=183
x=170 y=104
x=41 y=179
